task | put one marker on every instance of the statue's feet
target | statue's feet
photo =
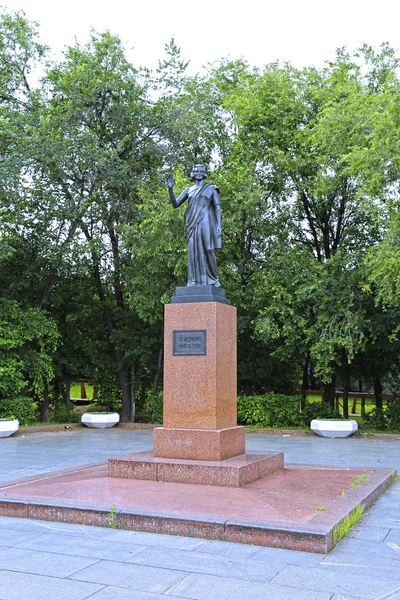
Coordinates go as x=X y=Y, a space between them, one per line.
x=191 y=283
x=217 y=283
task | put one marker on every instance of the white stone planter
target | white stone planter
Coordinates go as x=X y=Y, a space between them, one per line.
x=333 y=429
x=100 y=420
x=8 y=427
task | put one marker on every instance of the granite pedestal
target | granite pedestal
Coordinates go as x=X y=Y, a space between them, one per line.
x=200 y=421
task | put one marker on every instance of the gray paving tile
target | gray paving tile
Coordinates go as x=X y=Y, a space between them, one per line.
x=386 y=512
x=196 y=562
x=291 y=557
x=380 y=521
x=227 y=549
x=137 y=577
x=277 y=555
x=370 y=548
x=369 y=533
x=113 y=593
x=41 y=563
x=362 y=561
x=11 y=537
x=394 y=535
x=393 y=495
x=343 y=569
x=22 y=586
x=207 y=587
x=346 y=597
x=327 y=581
x=368 y=557
x=75 y=545
x=41 y=527
x=154 y=539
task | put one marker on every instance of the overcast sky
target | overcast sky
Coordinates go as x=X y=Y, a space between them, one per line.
x=301 y=31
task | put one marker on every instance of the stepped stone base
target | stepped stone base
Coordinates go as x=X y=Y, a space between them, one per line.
x=199 y=444
x=232 y=472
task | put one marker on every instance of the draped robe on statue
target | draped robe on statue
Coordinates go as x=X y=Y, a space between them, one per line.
x=201 y=231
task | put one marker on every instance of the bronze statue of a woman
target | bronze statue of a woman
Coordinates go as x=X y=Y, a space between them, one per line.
x=203 y=227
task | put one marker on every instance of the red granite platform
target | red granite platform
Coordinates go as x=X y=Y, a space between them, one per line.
x=297 y=507
x=232 y=472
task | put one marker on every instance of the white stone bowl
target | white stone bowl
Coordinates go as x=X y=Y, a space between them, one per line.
x=8 y=427
x=100 y=420
x=333 y=429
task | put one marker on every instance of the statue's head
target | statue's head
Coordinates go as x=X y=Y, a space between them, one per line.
x=198 y=172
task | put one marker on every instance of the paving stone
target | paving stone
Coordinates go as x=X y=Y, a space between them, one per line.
x=155 y=539
x=12 y=537
x=41 y=527
x=370 y=548
x=346 y=597
x=23 y=586
x=83 y=546
x=363 y=561
x=41 y=563
x=196 y=562
x=381 y=521
x=113 y=593
x=39 y=453
x=45 y=452
x=387 y=512
x=369 y=533
x=137 y=577
x=230 y=549
x=327 y=581
x=393 y=536
x=207 y=587
x=388 y=571
x=277 y=555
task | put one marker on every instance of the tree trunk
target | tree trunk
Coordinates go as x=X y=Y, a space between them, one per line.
x=68 y=399
x=329 y=392
x=247 y=388
x=304 y=384
x=56 y=394
x=119 y=355
x=125 y=389
x=158 y=370
x=378 y=393
x=111 y=328
x=45 y=407
x=83 y=390
x=48 y=287
x=133 y=392
x=346 y=394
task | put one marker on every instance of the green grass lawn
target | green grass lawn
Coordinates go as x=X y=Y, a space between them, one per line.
x=369 y=403
x=76 y=390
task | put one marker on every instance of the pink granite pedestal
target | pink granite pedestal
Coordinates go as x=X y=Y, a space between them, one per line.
x=200 y=442
x=281 y=510
x=232 y=472
x=200 y=421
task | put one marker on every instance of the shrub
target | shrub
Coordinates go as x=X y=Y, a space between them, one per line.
x=270 y=410
x=109 y=398
x=393 y=413
x=22 y=408
x=376 y=419
x=60 y=415
x=153 y=407
x=318 y=410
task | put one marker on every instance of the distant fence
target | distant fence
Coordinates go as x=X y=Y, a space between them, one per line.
x=360 y=397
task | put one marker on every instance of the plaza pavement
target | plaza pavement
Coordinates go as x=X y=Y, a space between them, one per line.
x=42 y=560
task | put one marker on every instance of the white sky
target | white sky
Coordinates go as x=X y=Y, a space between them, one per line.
x=301 y=31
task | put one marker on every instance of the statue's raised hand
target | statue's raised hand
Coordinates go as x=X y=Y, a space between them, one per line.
x=170 y=181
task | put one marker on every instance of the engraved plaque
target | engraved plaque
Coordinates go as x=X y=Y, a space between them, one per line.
x=189 y=342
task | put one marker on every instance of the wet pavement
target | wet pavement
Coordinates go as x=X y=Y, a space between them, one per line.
x=42 y=560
